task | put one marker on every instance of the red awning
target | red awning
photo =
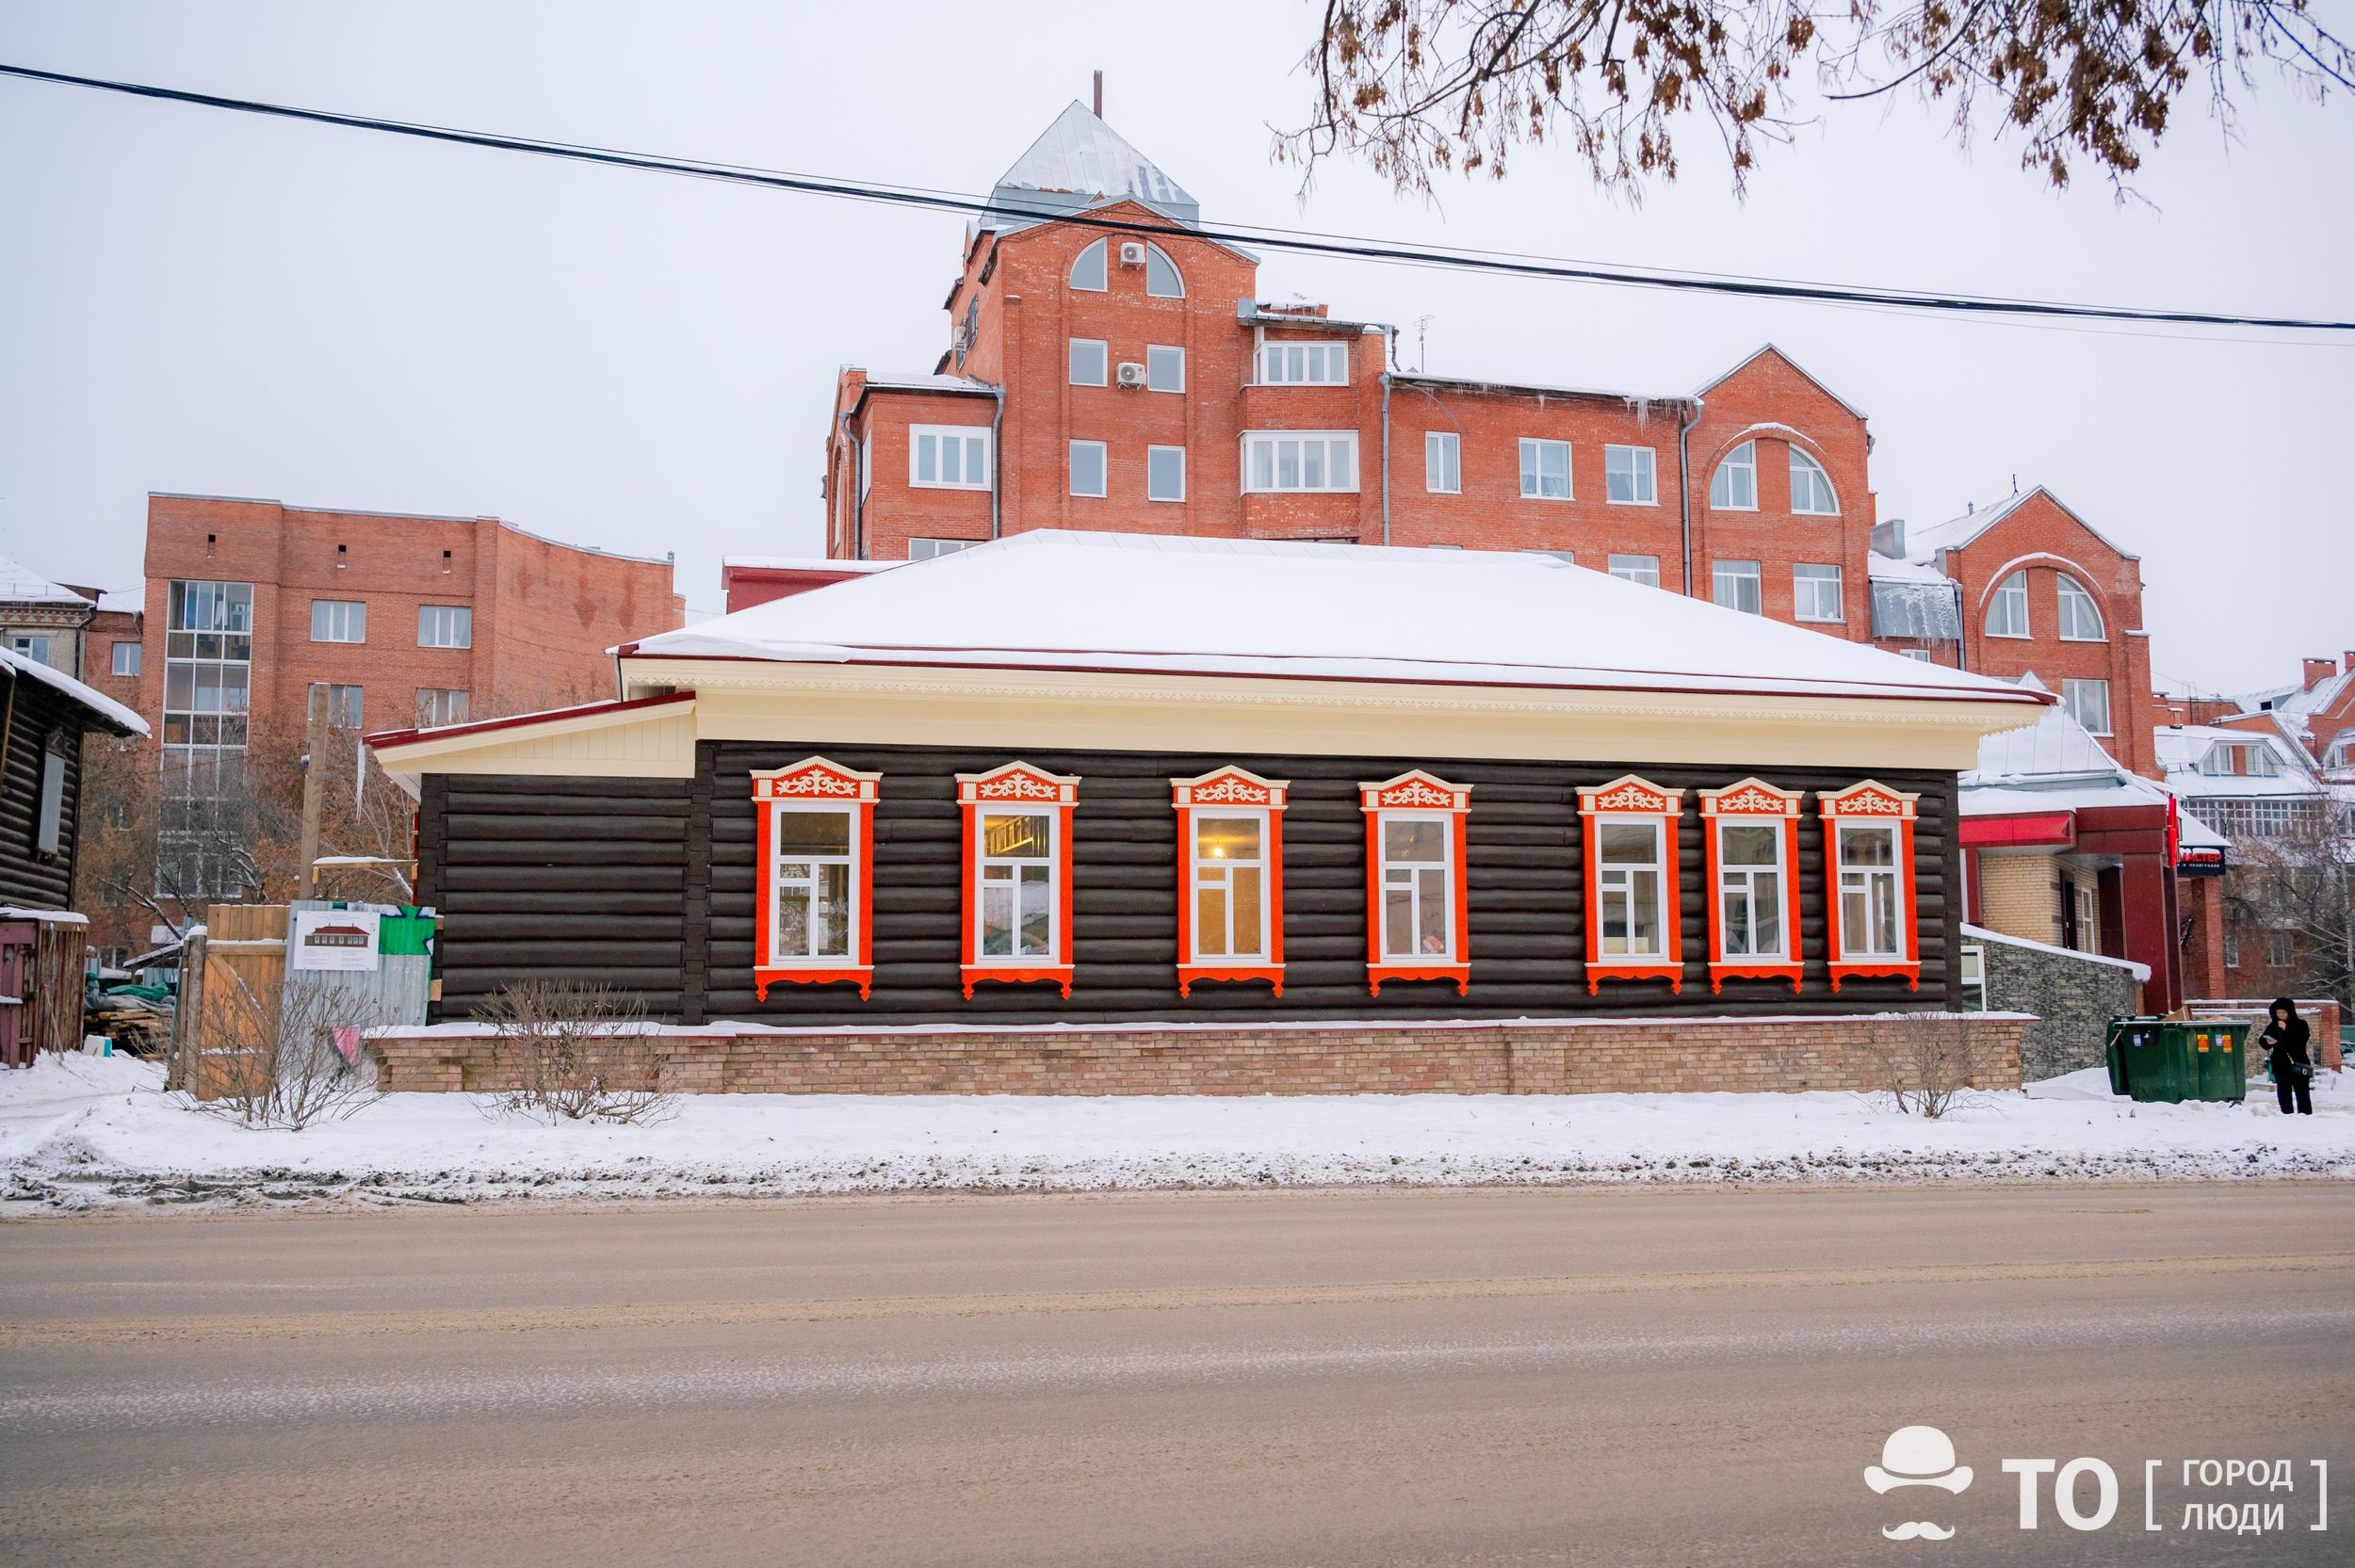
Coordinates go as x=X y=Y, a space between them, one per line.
x=2050 y=827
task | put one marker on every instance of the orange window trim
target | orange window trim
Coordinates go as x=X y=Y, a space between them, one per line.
x=1871 y=801
x=1237 y=787
x=1015 y=784
x=1417 y=791
x=1752 y=801
x=816 y=781
x=1630 y=796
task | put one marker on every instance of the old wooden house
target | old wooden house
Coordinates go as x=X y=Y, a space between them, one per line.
x=45 y=715
x=1092 y=813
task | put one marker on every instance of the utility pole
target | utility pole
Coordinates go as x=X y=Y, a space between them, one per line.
x=313 y=787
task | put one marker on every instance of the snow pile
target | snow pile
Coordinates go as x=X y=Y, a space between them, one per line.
x=78 y=1132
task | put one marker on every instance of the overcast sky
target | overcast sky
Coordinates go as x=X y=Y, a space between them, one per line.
x=193 y=300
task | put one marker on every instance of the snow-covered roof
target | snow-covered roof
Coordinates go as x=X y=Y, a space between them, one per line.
x=1922 y=545
x=2292 y=706
x=128 y=601
x=113 y=713
x=804 y=564
x=2180 y=749
x=1053 y=599
x=1080 y=161
x=925 y=380
x=2192 y=834
x=1888 y=569
x=2053 y=765
x=21 y=586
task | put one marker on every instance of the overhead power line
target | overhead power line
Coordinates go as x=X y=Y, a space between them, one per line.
x=1297 y=241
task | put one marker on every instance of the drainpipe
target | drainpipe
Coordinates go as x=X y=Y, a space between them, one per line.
x=1386 y=457
x=858 y=492
x=1685 y=491
x=997 y=464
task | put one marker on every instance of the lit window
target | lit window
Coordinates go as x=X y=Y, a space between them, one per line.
x=925 y=549
x=1815 y=592
x=1637 y=569
x=2088 y=704
x=1545 y=469
x=1300 y=461
x=1442 y=464
x=1230 y=921
x=445 y=626
x=1164 y=473
x=816 y=836
x=1734 y=487
x=1161 y=275
x=1633 y=932
x=2080 y=617
x=1087 y=268
x=339 y=621
x=949 y=457
x=1868 y=844
x=438 y=706
x=126 y=658
x=1629 y=477
x=1087 y=468
x=2007 y=610
x=1088 y=360
x=1415 y=897
x=1810 y=487
x=1734 y=584
x=1752 y=844
x=1164 y=368
x=336 y=704
x=1304 y=363
x=1017 y=893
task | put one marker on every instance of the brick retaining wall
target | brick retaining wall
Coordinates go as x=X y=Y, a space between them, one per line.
x=1586 y=1057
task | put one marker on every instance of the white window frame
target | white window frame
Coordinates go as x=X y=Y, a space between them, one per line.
x=1272 y=442
x=1642 y=476
x=1152 y=452
x=1722 y=572
x=117 y=661
x=2074 y=693
x=1320 y=363
x=1637 y=569
x=1102 y=268
x=1163 y=354
x=1617 y=882
x=1729 y=875
x=1534 y=453
x=1442 y=463
x=778 y=882
x=969 y=434
x=1807 y=580
x=1804 y=462
x=1893 y=875
x=1920 y=656
x=453 y=626
x=339 y=617
x=2009 y=604
x=1197 y=883
x=1103 y=354
x=985 y=863
x=1445 y=821
x=440 y=713
x=1742 y=461
x=2074 y=603
x=1103 y=469
x=926 y=548
x=1152 y=254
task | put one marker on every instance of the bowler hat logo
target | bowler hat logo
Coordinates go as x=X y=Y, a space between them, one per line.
x=1917 y=1456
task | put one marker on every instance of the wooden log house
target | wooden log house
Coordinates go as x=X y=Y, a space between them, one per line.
x=1152 y=784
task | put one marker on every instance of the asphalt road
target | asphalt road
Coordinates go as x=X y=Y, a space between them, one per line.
x=1694 y=1377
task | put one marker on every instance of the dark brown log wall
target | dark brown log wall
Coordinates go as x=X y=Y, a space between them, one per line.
x=524 y=893
x=34 y=714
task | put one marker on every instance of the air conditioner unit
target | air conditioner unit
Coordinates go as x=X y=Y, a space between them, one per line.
x=1132 y=253
x=1132 y=373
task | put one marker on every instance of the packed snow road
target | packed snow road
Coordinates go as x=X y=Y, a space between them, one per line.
x=1679 y=1376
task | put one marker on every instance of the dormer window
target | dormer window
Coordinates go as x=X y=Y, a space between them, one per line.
x=1087 y=268
x=1810 y=487
x=1734 y=487
x=2241 y=759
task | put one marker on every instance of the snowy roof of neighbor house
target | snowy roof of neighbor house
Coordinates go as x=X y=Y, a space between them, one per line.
x=1080 y=161
x=924 y=380
x=2054 y=763
x=111 y=713
x=1890 y=569
x=804 y=564
x=2293 y=706
x=2180 y=749
x=1052 y=599
x=19 y=585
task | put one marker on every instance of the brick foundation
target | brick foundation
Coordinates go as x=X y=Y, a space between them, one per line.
x=1744 y=1055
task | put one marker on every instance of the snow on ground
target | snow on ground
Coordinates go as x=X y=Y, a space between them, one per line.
x=80 y=1131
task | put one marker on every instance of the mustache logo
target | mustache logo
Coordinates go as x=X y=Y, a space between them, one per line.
x=1918 y=1529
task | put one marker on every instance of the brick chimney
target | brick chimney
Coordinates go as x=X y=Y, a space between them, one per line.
x=2207 y=710
x=2350 y=663
x=2319 y=671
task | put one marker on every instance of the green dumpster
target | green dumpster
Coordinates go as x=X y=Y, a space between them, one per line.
x=2155 y=1060
x=2220 y=1058
x=2114 y=1048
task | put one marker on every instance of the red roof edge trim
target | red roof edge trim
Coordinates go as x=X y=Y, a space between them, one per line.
x=482 y=726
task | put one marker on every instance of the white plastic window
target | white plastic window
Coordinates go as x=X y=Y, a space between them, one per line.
x=2088 y=704
x=1749 y=888
x=1304 y=363
x=1734 y=584
x=1230 y=912
x=1088 y=362
x=1810 y=487
x=1164 y=368
x=1088 y=466
x=1815 y=592
x=2080 y=617
x=1734 y=486
x=949 y=457
x=1630 y=476
x=445 y=626
x=1442 y=463
x=1871 y=921
x=815 y=884
x=1164 y=473
x=339 y=621
x=1300 y=461
x=1545 y=469
x=1628 y=878
x=1087 y=268
x=1162 y=278
x=2008 y=611
x=1015 y=863
x=1637 y=569
x=1418 y=886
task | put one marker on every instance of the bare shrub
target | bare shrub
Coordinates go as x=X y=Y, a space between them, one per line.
x=572 y=1052
x=1927 y=1066
x=275 y=1058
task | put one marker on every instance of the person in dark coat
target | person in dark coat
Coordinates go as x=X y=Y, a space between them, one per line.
x=2284 y=1041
